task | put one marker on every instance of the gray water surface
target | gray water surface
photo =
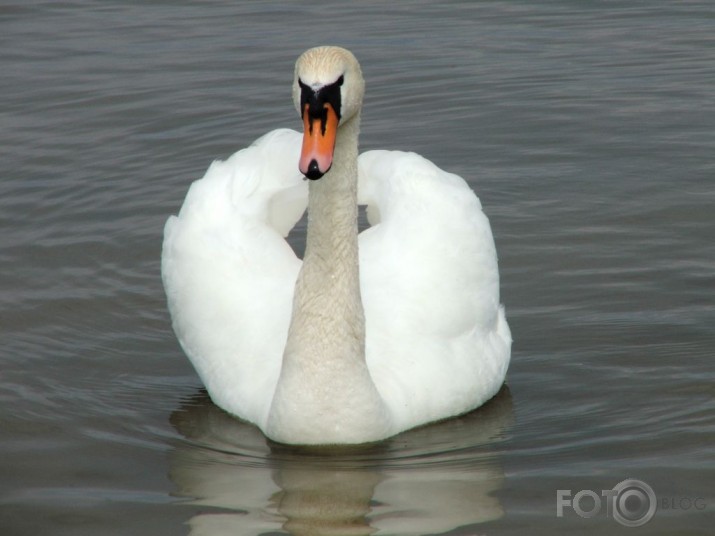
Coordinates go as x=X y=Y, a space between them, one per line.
x=586 y=128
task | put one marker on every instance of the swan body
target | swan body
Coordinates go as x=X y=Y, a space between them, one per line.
x=369 y=334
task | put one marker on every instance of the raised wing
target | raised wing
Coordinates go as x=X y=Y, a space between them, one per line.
x=430 y=288
x=229 y=274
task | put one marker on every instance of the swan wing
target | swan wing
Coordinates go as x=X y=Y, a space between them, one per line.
x=437 y=342
x=229 y=274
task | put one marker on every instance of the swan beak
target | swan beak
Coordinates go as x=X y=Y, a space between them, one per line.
x=319 y=133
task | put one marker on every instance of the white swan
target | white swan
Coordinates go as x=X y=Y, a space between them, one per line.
x=368 y=335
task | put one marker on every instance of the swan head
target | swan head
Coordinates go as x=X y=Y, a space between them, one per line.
x=328 y=88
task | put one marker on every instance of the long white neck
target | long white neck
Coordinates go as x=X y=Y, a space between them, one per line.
x=327 y=292
x=325 y=393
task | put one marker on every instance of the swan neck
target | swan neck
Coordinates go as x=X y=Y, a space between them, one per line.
x=332 y=208
x=328 y=287
x=325 y=393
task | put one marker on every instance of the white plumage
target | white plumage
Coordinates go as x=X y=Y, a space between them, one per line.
x=434 y=341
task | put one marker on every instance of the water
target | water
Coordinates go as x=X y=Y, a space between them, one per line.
x=588 y=131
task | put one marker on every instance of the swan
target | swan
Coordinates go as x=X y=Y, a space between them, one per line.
x=370 y=334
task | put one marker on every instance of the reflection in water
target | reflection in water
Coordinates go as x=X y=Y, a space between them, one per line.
x=428 y=480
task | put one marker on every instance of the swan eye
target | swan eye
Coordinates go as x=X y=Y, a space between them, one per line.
x=316 y=99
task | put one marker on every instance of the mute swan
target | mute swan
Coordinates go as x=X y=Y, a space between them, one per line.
x=369 y=335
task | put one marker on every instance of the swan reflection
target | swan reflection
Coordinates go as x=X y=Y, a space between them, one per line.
x=429 y=480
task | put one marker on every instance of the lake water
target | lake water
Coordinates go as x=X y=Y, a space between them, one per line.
x=586 y=128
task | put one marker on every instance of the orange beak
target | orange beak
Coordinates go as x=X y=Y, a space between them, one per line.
x=319 y=133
